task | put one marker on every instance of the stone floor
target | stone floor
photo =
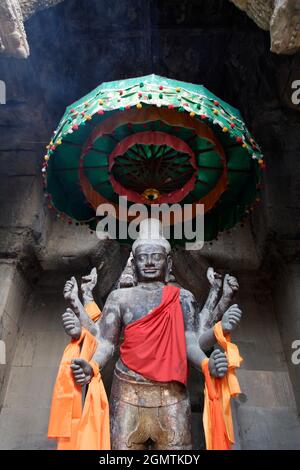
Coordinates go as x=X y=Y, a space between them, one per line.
x=266 y=413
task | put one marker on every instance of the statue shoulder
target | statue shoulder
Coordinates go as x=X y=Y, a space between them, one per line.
x=188 y=303
x=186 y=295
x=118 y=295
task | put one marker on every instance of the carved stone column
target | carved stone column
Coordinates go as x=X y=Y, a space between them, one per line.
x=280 y=17
x=13 y=13
x=12 y=33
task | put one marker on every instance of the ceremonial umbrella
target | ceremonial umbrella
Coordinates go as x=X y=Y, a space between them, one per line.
x=153 y=140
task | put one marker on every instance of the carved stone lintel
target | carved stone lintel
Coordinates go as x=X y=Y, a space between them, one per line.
x=280 y=17
x=30 y=7
x=285 y=27
x=13 y=13
x=12 y=33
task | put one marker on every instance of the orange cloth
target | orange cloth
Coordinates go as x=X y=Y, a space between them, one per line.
x=93 y=432
x=68 y=422
x=217 y=417
x=213 y=417
x=93 y=311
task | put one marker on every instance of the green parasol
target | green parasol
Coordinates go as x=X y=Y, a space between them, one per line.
x=153 y=140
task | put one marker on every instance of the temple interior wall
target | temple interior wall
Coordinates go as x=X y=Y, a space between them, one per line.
x=287 y=301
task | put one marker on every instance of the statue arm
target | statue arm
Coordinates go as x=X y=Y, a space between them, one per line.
x=229 y=316
x=195 y=354
x=84 y=318
x=230 y=287
x=87 y=286
x=218 y=364
x=204 y=317
x=218 y=312
x=207 y=311
x=108 y=334
x=229 y=321
x=108 y=329
x=207 y=339
x=71 y=295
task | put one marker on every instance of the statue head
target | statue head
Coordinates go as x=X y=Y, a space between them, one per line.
x=151 y=253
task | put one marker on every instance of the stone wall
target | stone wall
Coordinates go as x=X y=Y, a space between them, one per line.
x=13 y=302
x=287 y=304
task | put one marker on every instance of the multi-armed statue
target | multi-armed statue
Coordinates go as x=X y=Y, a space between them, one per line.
x=163 y=332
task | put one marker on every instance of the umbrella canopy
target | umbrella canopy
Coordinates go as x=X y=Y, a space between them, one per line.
x=154 y=140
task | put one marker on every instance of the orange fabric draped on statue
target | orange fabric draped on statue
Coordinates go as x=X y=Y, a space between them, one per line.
x=217 y=417
x=154 y=346
x=74 y=427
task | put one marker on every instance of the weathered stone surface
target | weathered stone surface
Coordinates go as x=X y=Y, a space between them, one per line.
x=13 y=13
x=29 y=7
x=12 y=33
x=16 y=435
x=268 y=429
x=286 y=294
x=277 y=388
x=14 y=295
x=258 y=10
x=281 y=17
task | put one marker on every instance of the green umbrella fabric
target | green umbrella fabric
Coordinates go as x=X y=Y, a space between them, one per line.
x=153 y=140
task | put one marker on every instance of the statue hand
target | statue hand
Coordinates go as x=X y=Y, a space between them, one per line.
x=71 y=290
x=89 y=282
x=231 y=318
x=214 y=279
x=82 y=371
x=218 y=364
x=230 y=285
x=71 y=324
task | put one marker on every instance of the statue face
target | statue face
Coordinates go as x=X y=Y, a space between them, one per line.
x=151 y=263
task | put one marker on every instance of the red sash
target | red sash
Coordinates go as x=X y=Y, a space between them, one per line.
x=154 y=346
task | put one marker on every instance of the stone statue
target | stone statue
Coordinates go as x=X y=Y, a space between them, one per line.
x=146 y=413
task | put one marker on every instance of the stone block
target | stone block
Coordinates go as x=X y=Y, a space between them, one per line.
x=268 y=429
x=16 y=434
x=49 y=348
x=287 y=300
x=44 y=314
x=13 y=302
x=30 y=387
x=266 y=389
x=25 y=349
x=7 y=271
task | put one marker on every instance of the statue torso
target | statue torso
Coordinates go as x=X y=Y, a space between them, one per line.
x=135 y=303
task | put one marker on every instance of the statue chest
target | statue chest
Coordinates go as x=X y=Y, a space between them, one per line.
x=140 y=303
